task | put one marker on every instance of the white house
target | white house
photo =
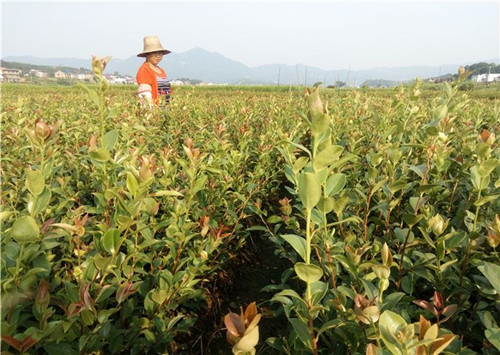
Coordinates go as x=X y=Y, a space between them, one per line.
x=486 y=78
x=38 y=73
x=84 y=76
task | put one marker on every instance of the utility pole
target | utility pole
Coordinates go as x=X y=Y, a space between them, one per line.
x=279 y=72
x=348 y=73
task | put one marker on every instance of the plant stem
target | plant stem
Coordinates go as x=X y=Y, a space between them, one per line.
x=308 y=250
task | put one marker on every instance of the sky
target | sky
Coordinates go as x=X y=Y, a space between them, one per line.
x=325 y=34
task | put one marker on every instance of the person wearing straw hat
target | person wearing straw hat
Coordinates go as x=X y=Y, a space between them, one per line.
x=154 y=86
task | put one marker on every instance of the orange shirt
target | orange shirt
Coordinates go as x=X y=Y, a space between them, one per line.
x=146 y=75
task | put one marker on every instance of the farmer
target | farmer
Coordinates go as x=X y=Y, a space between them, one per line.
x=153 y=84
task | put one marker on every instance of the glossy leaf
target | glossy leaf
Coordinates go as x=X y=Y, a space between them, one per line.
x=111 y=240
x=25 y=230
x=309 y=190
x=492 y=273
x=335 y=183
x=308 y=272
x=35 y=182
x=298 y=243
x=327 y=156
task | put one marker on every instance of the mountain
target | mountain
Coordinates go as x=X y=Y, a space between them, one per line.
x=213 y=67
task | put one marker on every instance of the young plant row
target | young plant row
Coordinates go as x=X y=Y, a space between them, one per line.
x=392 y=222
x=115 y=220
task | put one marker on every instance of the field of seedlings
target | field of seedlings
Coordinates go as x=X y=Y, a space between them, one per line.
x=128 y=231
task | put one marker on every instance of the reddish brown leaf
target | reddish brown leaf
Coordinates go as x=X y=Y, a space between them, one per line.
x=371 y=349
x=28 y=342
x=250 y=313
x=47 y=224
x=423 y=326
x=437 y=299
x=234 y=324
x=425 y=305
x=441 y=344
x=449 y=311
x=16 y=344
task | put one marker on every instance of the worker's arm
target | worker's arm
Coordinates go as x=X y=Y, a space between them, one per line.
x=145 y=95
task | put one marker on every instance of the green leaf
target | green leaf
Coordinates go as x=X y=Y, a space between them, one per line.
x=105 y=293
x=12 y=250
x=42 y=201
x=412 y=219
x=475 y=177
x=487 y=167
x=326 y=205
x=299 y=164
x=274 y=219
x=493 y=336
x=487 y=319
x=378 y=185
x=25 y=230
x=112 y=113
x=88 y=317
x=159 y=296
x=93 y=95
x=479 y=182
x=492 y=273
x=302 y=331
x=327 y=156
x=4 y=215
x=327 y=326
x=340 y=204
x=320 y=122
x=308 y=272
x=35 y=182
x=174 y=321
x=110 y=139
x=318 y=291
x=419 y=169
x=167 y=193
x=391 y=300
x=397 y=185
x=389 y=324
x=485 y=199
x=149 y=304
x=335 y=183
x=440 y=112
x=111 y=240
x=309 y=190
x=298 y=243
x=290 y=293
x=101 y=155
x=132 y=184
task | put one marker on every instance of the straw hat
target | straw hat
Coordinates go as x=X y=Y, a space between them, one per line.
x=152 y=44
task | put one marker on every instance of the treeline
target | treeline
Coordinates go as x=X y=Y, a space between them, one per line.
x=484 y=68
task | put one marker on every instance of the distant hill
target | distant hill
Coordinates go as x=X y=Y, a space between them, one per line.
x=213 y=67
x=49 y=69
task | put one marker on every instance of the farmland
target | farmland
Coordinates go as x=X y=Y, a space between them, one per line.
x=122 y=228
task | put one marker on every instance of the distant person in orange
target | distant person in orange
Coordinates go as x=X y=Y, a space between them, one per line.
x=154 y=86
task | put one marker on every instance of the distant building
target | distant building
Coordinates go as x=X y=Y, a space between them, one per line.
x=10 y=75
x=37 y=73
x=84 y=76
x=59 y=74
x=177 y=82
x=486 y=78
